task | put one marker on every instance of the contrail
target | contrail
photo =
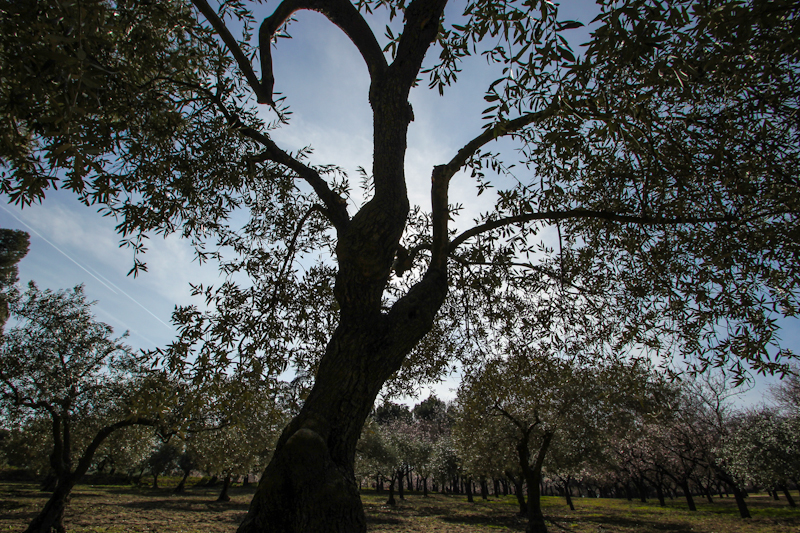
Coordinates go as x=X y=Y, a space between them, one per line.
x=110 y=286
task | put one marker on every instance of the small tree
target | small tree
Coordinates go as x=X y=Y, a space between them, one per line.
x=377 y=455
x=162 y=460
x=536 y=396
x=59 y=362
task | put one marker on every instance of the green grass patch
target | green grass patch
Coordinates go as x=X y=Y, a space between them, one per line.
x=126 y=509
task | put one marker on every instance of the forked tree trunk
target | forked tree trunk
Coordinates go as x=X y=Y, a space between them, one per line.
x=51 y=517
x=533 y=477
x=309 y=484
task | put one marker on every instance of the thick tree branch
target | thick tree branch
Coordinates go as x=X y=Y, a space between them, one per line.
x=335 y=204
x=525 y=431
x=583 y=213
x=500 y=129
x=263 y=94
x=88 y=455
x=421 y=28
x=342 y=13
x=440 y=180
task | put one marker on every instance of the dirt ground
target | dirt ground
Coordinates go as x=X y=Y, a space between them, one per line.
x=117 y=509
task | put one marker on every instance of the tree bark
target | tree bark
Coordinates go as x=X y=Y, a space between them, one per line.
x=51 y=517
x=309 y=485
x=660 y=495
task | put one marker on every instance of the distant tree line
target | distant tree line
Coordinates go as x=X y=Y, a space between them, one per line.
x=668 y=440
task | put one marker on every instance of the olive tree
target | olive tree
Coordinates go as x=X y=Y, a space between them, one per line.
x=665 y=155
x=58 y=363
x=526 y=399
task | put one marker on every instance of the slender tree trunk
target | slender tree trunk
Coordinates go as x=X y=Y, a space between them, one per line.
x=519 y=493
x=155 y=480
x=425 y=487
x=468 y=485
x=774 y=493
x=391 y=500
x=688 y=495
x=640 y=486
x=744 y=512
x=223 y=495
x=568 y=494
x=660 y=495
x=400 y=484
x=182 y=484
x=50 y=482
x=788 y=495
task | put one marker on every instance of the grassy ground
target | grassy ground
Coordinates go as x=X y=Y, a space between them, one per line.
x=118 y=509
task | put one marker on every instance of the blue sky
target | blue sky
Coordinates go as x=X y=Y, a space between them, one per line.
x=325 y=82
